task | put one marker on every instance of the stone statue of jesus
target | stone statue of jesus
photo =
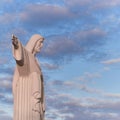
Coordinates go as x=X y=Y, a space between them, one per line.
x=28 y=84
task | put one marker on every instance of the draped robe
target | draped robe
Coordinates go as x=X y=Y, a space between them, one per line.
x=28 y=86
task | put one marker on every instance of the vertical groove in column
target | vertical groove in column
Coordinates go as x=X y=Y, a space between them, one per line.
x=25 y=96
x=22 y=98
x=15 y=102
x=20 y=107
x=15 y=97
x=30 y=98
x=27 y=100
x=20 y=104
x=29 y=110
x=19 y=100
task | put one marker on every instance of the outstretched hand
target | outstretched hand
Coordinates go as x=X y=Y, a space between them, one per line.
x=15 y=41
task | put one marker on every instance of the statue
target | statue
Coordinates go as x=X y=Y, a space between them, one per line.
x=28 y=84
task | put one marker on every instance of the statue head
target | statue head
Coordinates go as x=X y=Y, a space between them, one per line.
x=35 y=44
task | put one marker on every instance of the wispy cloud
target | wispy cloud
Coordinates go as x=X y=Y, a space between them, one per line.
x=88 y=77
x=111 y=61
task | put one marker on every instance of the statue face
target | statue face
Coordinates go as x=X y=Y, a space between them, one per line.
x=38 y=45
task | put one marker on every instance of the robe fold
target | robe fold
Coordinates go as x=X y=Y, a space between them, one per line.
x=28 y=86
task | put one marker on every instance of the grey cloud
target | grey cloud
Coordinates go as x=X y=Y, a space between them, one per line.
x=3 y=60
x=92 y=4
x=77 y=2
x=7 y=18
x=70 y=109
x=5 y=117
x=58 y=83
x=62 y=47
x=81 y=87
x=7 y=70
x=106 y=4
x=5 y=89
x=76 y=5
x=40 y=16
x=45 y=15
x=88 y=77
x=7 y=1
x=50 y=66
x=6 y=84
x=85 y=43
x=107 y=106
x=75 y=86
x=2 y=112
x=5 y=99
x=112 y=95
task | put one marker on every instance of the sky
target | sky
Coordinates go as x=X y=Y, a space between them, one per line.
x=80 y=59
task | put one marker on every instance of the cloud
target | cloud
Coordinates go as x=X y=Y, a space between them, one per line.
x=106 y=4
x=76 y=86
x=50 y=66
x=112 y=95
x=5 y=99
x=39 y=15
x=6 y=1
x=6 y=70
x=80 y=43
x=88 y=77
x=106 y=106
x=3 y=60
x=71 y=108
x=6 y=89
x=112 y=61
x=7 y=18
x=5 y=117
x=5 y=82
x=106 y=68
x=82 y=87
x=88 y=4
x=78 y=5
x=2 y=112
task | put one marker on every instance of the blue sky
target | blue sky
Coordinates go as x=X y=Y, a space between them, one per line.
x=80 y=58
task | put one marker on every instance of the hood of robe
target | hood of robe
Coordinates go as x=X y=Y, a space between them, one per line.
x=32 y=42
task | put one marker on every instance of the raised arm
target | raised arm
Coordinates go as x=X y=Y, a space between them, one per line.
x=15 y=41
x=17 y=51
